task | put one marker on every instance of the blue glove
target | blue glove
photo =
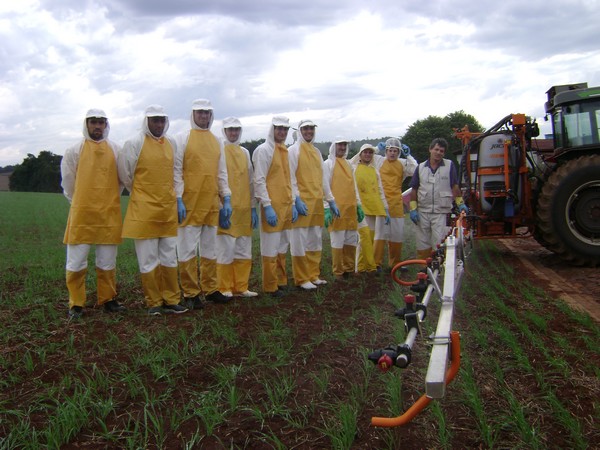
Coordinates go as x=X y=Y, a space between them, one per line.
x=328 y=217
x=181 y=212
x=387 y=217
x=227 y=206
x=294 y=213
x=224 y=221
x=301 y=207
x=405 y=150
x=360 y=214
x=381 y=147
x=334 y=208
x=254 y=220
x=270 y=215
x=414 y=216
x=462 y=207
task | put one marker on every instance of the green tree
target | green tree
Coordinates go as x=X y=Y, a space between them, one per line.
x=37 y=174
x=251 y=145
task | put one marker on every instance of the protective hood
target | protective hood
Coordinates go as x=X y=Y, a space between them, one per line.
x=356 y=158
x=393 y=142
x=304 y=123
x=231 y=122
x=338 y=140
x=278 y=121
x=154 y=111
x=97 y=114
x=201 y=104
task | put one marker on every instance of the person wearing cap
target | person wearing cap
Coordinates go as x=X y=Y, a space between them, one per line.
x=374 y=204
x=434 y=187
x=273 y=190
x=309 y=189
x=91 y=184
x=393 y=170
x=343 y=233
x=202 y=188
x=234 y=235
x=147 y=168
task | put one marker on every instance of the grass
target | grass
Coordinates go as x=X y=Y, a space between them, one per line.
x=290 y=373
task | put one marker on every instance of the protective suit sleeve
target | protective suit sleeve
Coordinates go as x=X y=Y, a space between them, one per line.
x=116 y=148
x=127 y=160
x=262 y=157
x=180 y=146
x=293 y=152
x=68 y=170
x=378 y=161
x=410 y=165
x=327 y=194
x=250 y=177
x=381 y=193
x=222 y=177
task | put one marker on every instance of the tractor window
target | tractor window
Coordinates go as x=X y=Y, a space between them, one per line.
x=581 y=123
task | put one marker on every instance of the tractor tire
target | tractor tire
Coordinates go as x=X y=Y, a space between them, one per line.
x=568 y=211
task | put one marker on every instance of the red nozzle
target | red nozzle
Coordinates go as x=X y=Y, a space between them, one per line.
x=385 y=363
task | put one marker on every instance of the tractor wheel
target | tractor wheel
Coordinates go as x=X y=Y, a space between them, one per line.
x=568 y=211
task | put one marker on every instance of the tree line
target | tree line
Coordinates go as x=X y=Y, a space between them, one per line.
x=42 y=173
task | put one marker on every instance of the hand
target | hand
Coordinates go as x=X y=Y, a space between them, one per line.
x=463 y=208
x=334 y=208
x=224 y=221
x=414 y=216
x=301 y=207
x=181 y=212
x=387 y=216
x=227 y=206
x=294 y=213
x=270 y=215
x=328 y=217
x=381 y=148
x=360 y=215
x=254 y=220
x=405 y=150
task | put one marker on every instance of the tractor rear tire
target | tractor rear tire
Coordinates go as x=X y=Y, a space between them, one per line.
x=568 y=211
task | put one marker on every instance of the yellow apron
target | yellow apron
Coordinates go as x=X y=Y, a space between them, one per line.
x=368 y=190
x=152 y=210
x=237 y=171
x=342 y=188
x=392 y=175
x=95 y=214
x=200 y=179
x=279 y=187
x=309 y=176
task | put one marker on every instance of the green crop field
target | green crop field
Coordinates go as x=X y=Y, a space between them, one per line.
x=280 y=374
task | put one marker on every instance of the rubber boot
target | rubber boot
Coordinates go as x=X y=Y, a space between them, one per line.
x=349 y=258
x=188 y=274
x=151 y=288
x=225 y=277
x=366 y=261
x=337 y=261
x=424 y=254
x=241 y=274
x=169 y=285
x=314 y=264
x=76 y=287
x=269 y=273
x=106 y=281
x=208 y=275
x=282 y=278
x=394 y=253
x=300 y=269
x=378 y=251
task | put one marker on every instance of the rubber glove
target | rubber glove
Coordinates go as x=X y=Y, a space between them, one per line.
x=294 y=213
x=301 y=207
x=270 y=215
x=360 y=214
x=328 y=217
x=181 y=212
x=381 y=148
x=405 y=150
x=414 y=215
x=334 y=208
x=227 y=206
x=254 y=220
x=224 y=221
x=387 y=217
x=461 y=205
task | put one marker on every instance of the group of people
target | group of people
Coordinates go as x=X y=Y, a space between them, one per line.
x=194 y=201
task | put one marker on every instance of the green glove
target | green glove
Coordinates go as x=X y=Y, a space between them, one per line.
x=360 y=215
x=328 y=217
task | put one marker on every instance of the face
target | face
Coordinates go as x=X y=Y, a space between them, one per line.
x=156 y=125
x=233 y=133
x=391 y=153
x=308 y=133
x=366 y=156
x=280 y=134
x=96 y=127
x=436 y=153
x=202 y=118
x=340 y=149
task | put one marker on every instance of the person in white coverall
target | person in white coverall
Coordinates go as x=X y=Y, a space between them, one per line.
x=309 y=189
x=234 y=235
x=202 y=188
x=343 y=230
x=147 y=167
x=91 y=184
x=273 y=189
x=393 y=170
x=377 y=218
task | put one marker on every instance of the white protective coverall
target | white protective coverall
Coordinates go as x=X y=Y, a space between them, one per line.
x=273 y=187
x=234 y=244
x=308 y=183
x=374 y=205
x=393 y=174
x=202 y=182
x=343 y=231
x=146 y=167
x=91 y=184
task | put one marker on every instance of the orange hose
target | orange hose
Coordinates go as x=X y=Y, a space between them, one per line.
x=408 y=262
x=423 y=401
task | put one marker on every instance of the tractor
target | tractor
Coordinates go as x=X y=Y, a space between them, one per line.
x=514 y=187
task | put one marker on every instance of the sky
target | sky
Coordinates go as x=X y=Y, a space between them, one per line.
x=359 y=70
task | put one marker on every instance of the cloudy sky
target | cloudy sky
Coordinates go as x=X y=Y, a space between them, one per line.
x=358 y=69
